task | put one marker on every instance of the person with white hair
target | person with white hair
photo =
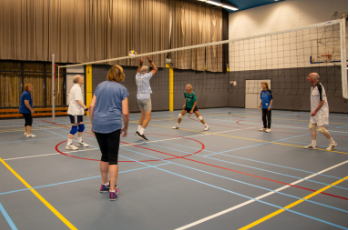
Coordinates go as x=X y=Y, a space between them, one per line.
x=190 y=107
x=319 y=112
x=76 y=113
x=143 y=77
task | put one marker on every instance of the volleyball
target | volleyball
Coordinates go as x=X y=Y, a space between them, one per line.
x=132 y=54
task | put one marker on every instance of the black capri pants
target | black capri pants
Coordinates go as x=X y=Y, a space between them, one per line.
x=28 y=119
x=266 y=114
x=109 y=146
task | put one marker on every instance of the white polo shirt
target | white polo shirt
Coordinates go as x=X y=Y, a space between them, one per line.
x=74 y=95
x=318 y=94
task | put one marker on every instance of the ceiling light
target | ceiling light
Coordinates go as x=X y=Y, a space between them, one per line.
x=230 y=7
x=214 y=3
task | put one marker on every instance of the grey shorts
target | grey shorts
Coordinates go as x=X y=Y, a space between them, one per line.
x=145 y=105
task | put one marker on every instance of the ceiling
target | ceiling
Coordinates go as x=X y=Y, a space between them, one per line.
x=246 y=4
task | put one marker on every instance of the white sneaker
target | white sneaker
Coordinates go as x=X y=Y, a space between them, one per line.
x=25 y=133
x=71 y=147
x=310 y=146
x=267 y=130
x=206 y=128
x=262 y=129
x=83 y=144
x=332 y=146
x=176 y=127
x=30 y=135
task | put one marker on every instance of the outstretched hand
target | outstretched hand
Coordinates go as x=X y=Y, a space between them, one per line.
x=148 y=58
x=141 y=62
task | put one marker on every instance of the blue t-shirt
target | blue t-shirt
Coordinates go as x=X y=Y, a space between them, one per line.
x=266 y=97
x=108 y=108
x=25 y=96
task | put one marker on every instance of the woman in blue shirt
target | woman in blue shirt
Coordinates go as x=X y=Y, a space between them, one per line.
x=266 y=105
x=108 y=105
x=26 y=109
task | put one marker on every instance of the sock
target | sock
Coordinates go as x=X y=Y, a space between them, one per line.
x=80 y=139
x=142 y=131
x=106 y=184
x=313 y=142
x=331 y=141
x=177 y=124
x=205 y=125
x=139 y=128
x=69 y=142
x=112 y=190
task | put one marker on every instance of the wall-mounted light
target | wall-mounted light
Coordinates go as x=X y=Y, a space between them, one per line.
x=230 y=7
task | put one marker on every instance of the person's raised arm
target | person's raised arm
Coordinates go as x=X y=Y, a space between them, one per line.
x=92 y=109
x=154 y=67
x=139 y=68
x=125 y=111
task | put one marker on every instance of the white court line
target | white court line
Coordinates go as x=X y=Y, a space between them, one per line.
x=256 y=198
x=124 y=145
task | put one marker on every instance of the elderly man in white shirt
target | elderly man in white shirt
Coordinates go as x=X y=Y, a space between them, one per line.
x=76 y=113
x=143 y=76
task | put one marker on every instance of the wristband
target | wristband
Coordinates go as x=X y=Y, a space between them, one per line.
x=87 y=109
x=150 y=61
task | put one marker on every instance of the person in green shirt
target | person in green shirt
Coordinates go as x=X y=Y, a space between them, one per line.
x=190 y=106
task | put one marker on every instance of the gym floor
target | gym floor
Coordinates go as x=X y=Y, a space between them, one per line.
x=231 y=177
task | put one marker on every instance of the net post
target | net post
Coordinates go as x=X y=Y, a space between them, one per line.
x=171 y=87
x=344 y=76
x=53 y=88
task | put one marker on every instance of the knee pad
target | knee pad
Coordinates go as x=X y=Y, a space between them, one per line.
x=312 y=127
x=200 y=118
x=180 y=116
x=81 y=128
x=74 y=130
x=322 y=130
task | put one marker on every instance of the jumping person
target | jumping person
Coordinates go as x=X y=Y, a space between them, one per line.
x=319 y=115
x=76 y=113
x=26 y=109
x=266 y=106
x=108 y=104
x=190 y=106
x=143 y=76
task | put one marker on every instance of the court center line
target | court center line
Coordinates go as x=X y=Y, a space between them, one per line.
x=259 y=221
x=42 y=199
x=255 y=199
x=7 y=217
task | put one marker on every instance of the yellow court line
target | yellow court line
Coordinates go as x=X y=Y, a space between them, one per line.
x=245 y=138
x=4 y=130
x=42 y=199
x=291 y=205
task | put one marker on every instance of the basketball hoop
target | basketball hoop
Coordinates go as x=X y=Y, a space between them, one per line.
x=326 y=58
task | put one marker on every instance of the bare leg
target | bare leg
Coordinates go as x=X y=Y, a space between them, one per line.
x=147 y=119
x=104 y=171
x=327 y=134
x=142 y=118
x=183 y=112
x=198 y=115
x=29 y=129
x=113 y=176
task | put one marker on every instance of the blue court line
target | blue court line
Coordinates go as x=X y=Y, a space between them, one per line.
x=344 y=126
x=262 y=162
x=247 y=166
x=7 y=217
x=317 y=145
x=27 y=140
x=241 y=195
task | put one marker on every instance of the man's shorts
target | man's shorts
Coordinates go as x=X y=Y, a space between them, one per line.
x=320 y=119
x=76 y=119
x=189 y=109
x=145 y=105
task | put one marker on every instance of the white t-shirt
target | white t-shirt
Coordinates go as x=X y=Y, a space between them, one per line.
x=74 y=95
x=318 y=94
x=143 y=86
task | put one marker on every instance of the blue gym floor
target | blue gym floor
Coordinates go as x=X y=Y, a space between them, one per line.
x=231 y=177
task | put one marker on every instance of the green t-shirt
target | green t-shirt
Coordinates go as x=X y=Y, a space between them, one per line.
x=190 y=99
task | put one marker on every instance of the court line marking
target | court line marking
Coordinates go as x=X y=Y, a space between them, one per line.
x=31 y=139
x=259 y=221
x=7 y=217
x=42 y=199
x=255 y=199
x=242 y=195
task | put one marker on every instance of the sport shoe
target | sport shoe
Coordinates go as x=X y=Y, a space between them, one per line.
x=262 y=129
x=332 y=146
x=176 y=127
x=206 y=128
x=30 y=135
x=267 y=130
x=114 y=195
x=83 y=144
x=310 y=146
x=105 y=188
x=71 y=147
x=141 y=136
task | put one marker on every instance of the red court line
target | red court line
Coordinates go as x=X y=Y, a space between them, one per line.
x=216 y=166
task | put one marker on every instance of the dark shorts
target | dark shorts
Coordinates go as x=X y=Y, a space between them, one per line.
x=28 y=119
x=189 y=109
x=109 y=146
x=76 y=119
